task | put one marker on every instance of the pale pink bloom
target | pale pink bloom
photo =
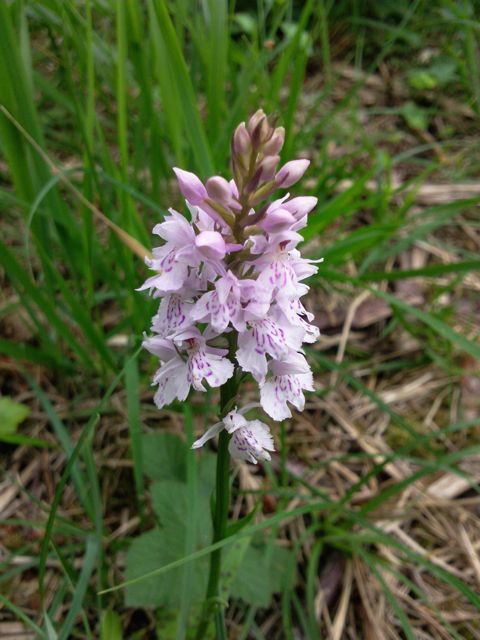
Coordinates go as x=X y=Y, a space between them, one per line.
x=285 y=214
x=293 y=311
x=210 y=270
x=196 y=194
x=251 y=442
x=283 y=240
x=256 y=300
x=172 y=376
x=275 y=144
x=289 y=380
x=303 y=267
x=266 y=337
x=291 y=172
x=203 y=362
x=173 y=314
x=268 y=167
x=171 y=260
x=221 y=306
x=183 y=251
x=241 y=140
x=251 y=439
x=176 y=374
x=200 y=218
x=281 y=268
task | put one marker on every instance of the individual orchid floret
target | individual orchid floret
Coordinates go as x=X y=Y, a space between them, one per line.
x=221 y=306
x=275 y=144
x=251 y=442
x=204 y=363
x=286 y=385
x=173 y=314
x=242 y=143
x=196 y=193
x=172 y=260
x=294 y=313
x=251 y=439
x=262 y=338
x=186 y=361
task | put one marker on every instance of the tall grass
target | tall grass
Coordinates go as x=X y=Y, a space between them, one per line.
x=118 y=92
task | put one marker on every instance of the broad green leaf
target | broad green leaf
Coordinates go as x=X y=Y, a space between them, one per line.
x=110 y=626
x=164 y=456
x=11 y=415
x=156 y=549
x=170 y=503
x=264 y=570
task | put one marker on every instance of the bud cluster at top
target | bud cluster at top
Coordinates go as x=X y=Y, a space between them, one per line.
x=233 y=276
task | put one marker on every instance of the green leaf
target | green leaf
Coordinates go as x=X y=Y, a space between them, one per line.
x=264 y=570
x=11 y=415
x=156 y=549
x=416 y=117
x=170 y=503
x=170 y=500
x=110 y=626
x=422 y=80
x=164 y=456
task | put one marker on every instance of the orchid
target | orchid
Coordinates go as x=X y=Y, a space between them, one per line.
x=235 y=269
x=230 y=281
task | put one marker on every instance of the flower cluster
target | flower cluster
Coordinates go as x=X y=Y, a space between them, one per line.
x=230 y=281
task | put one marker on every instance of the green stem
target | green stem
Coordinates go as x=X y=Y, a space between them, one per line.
x=213 y=602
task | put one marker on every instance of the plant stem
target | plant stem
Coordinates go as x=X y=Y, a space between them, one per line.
x=228 y=393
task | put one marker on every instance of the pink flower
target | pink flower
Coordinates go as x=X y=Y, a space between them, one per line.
x=266 y=337
x=173 y=314
x=223 y=192
x=250 y=441
x=176 y=373
x=204 y=362
x=235 y=267
x=293 y=312
x=289 y=380
x=221 y=306
x=172 y=260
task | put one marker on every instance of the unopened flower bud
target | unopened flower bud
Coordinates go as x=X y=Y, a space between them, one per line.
x=291 y=172
x=277 y=220
x=190 y=186
x=261 y=133
x=211 y=244
x=267 y=167
x=255 y=119
x=242 y=144
x=274 y=145
x=301 y=206
x=219 y=189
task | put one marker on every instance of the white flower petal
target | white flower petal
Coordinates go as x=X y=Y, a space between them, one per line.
x=208 y=435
